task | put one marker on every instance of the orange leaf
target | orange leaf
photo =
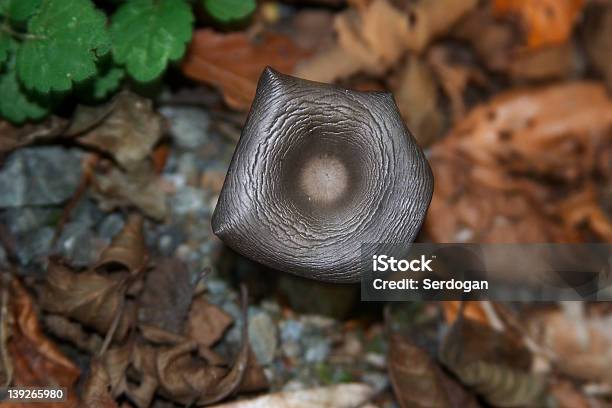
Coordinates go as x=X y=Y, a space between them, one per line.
x=36 y=360
x=547 y=22
x=233 y=62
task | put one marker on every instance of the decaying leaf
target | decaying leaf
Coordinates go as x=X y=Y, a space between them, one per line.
x=492 y=365
x=73 y=332
x=127 y=250
x=418 y=381
x=416 y=95
x=137 y=187
x=96 y=388
x=506 y=170
x=598 y=40
x=129 y=132
x=375 y=35
x=90 y=298
x=337 y=396
x=233 y=62
x=166 y=296
x=206 y=322
x=12 y=137
x=33 y=359
x=582 y=348
x=546 y=22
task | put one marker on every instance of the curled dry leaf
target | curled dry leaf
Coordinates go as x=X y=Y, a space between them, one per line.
x=68 y=330
x=375 y=35
x=128 y=133
x=89 y=298
x=127 y=249
x=233 y=62
x=34 y=360
x=491 y=364
x=505 y=171
x=598 y=40
x=337 y=396
x=546 y=22
x=418 y=381
x=138 y=187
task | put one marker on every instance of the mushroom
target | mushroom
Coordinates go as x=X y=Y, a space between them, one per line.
x=318 y=171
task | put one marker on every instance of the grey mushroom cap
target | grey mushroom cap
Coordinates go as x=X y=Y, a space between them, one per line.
x=318 y=171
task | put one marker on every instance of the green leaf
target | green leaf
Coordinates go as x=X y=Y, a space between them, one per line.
x=20 y=10
x=16 y=104
x=148 y=34
x=230 y=10
x=107 y=82
x=5 y=45
x=64 y=40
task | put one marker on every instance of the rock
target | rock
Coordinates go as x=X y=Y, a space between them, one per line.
x=187 y=200
x=40 y=176
x=78 y=244
x=24 y=219
x=110 y=226
x=316 y=349
x=188 y=125
x=34 y=244
x=263 y=337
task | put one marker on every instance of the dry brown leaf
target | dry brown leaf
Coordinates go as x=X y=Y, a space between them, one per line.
x=138 y=187
x=68 y=330
x=598 y=40
x=505 y=170
x=89 y=298
x=129 y=132
x=166 y=296
x=492 y=365
x=96 y=388
x=206 y=322
x=418 y=381
x=127 y=249
x=416 y=95
x=34 y=359
x=233 y=62
x=12 y=137
x=546 y=22
x=373 y=36
x=582 y=348
x=337 y=396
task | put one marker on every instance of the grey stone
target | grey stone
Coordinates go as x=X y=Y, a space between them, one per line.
x=317 y=349
x=34 y=244
x=40 y=176
x=187 y=200
x=263 y=337
x=110 y=226
x=188 y=125
x=77 y=243
x=23 y=219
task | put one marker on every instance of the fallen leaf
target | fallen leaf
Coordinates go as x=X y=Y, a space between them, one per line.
x=374 y=36
x=88 y=297
x=206 y=322
x=96 y=388
x=598 y=40
x=337 y=396
x=34 y=359
x=127 y=249
x=129 y=132
x=492 y=364
x=138 y=187
x=418 y=381
x=416 y=95
x=505 y=171
x=166 y=296
x=546 y=22
x=73 y=332
x=233 y=62
x=12 y=137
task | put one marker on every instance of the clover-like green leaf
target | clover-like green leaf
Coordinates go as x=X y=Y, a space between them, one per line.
x=16 y=104
x=20 y=10
x=5 y=44
x=147 y=34
x=230 y=10
x=64 y=40
x=107 y=81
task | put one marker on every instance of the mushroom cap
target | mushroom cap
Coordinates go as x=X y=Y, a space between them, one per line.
x=318 y=171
